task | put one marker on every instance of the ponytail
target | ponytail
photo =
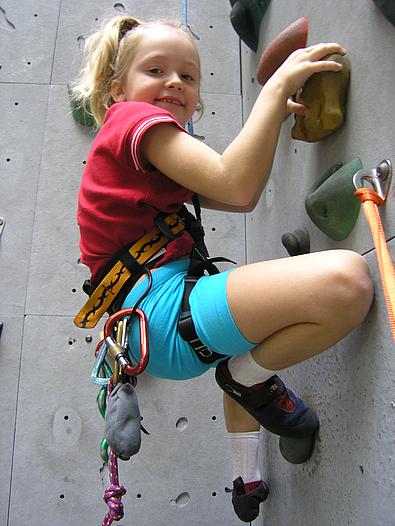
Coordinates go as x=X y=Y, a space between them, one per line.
x=92 y=90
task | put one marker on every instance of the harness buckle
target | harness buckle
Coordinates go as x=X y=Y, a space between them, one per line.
x=160 y=222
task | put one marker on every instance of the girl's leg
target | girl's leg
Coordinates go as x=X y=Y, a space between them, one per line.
x=295 y=308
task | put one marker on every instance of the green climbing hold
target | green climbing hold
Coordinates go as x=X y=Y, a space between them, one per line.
x=331 y=203
x=388 y=9
x=80 y=113
x=246 y=17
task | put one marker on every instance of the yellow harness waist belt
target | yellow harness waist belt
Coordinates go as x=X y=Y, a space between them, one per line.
x=110 y=286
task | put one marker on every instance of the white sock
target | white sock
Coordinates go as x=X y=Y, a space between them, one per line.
x=246 y=371
x=244 y=449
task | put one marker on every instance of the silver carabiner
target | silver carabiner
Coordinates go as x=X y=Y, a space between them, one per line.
x=379 y=178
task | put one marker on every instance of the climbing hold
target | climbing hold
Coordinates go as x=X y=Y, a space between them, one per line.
x=388 y=9
x=292 y=38
x=325 y=96
x=80 y=112
x=2 y=225
x=246 y=17
x=297 y=450
x=331 y=204
x=297 y=242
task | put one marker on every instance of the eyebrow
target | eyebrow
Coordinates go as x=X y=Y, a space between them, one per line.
x=159 y=56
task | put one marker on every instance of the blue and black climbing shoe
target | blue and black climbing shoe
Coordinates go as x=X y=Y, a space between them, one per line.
x=272 y=404
x=247 y=497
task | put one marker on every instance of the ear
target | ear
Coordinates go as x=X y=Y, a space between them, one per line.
x=117 y=91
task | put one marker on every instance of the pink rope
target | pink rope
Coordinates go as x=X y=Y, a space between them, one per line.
x=113 y=494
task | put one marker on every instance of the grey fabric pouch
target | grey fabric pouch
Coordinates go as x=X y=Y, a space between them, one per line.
x=123 y=421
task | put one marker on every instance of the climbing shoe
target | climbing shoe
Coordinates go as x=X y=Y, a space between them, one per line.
x=247 y=497
x=274 y=406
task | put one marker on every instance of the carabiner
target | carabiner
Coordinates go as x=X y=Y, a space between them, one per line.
x=117 y=350
x=378 y=178
x=100 y=363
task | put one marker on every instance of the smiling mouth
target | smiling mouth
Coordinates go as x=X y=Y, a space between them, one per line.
x=170 y=101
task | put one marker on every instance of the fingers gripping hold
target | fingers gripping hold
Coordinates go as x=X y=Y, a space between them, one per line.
x=303 y=63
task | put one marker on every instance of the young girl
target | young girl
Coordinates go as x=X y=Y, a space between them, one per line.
x=141 y=81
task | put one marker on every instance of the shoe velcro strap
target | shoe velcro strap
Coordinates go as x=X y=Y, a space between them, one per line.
x=257 y=398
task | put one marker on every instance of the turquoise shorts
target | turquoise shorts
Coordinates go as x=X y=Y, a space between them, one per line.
x=172 y=357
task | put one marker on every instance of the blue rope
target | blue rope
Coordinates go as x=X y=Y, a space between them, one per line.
x=185 y=22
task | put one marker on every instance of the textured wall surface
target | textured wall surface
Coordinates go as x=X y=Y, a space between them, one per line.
x=50 y=426
x=351 y=479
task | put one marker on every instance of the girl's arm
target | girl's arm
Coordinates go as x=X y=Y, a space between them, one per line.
x=238 y=176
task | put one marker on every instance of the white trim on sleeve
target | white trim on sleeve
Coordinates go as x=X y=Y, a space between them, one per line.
x=138 y=134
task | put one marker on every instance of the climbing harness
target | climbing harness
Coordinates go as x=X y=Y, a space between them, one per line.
x=372 y=197
x=126 y=268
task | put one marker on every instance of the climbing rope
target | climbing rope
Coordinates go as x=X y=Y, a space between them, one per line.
x=185 y=22
x=113 y=494
x=371 y=201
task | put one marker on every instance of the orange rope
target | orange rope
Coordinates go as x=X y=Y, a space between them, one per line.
x=370 y=201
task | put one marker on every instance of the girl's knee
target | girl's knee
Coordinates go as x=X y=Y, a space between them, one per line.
x=352 y=285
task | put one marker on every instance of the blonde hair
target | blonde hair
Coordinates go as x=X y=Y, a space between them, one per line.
x=107 y=56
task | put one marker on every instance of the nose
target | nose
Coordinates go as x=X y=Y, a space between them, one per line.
x=174 y=81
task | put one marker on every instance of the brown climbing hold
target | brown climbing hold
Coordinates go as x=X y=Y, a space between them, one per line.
x=292 y=38
x=325 y=95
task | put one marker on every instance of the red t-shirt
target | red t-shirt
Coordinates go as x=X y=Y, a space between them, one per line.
x=119 y=196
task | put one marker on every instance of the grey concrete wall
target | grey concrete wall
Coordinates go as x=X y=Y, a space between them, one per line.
x=350 y=479
x=51 y=428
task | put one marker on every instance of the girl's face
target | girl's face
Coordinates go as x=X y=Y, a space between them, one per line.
x=165 y=72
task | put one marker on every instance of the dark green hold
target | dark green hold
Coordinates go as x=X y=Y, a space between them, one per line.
x=297 y=450
x=388 y=9
x=80 y=113
x=246 y=17
x=331 y=203
x=297 y=242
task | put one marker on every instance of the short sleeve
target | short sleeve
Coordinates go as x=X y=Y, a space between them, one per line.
x=138 y=133
x=132 y=120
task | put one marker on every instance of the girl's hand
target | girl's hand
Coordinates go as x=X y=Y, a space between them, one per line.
x=303 y=63
x=295 y=107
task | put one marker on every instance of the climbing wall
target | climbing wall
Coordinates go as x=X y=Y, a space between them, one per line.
x=350 y=479
x=51 y=428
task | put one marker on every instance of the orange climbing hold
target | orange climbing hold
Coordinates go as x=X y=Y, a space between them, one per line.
x=370 y=202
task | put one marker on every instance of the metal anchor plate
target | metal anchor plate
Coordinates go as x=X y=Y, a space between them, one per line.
x=379 y=178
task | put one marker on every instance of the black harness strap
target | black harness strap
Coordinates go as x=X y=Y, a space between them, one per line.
x=200 y=262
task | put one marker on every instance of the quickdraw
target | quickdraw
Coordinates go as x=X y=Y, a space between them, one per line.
x=379 y=181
